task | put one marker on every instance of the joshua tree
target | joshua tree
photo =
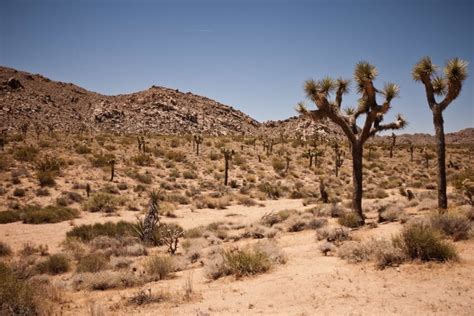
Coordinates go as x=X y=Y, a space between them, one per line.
x=371 y=148
x=112 y=169
x=449 y=86
x=198 y=141
x=88 y=189
x=338 y=157
x=322 y=191
x=313 y=154
x=141 y=144
x=393 y=139
x=152 y=218
x=228 y=154
x=319 y=92
x=3 y=139
x=411 y=149
x=427 y=156
x=288 y=159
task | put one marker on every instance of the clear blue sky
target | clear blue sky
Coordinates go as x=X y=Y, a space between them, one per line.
x=253 y=55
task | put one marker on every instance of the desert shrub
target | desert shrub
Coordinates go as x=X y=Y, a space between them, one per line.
x=19 y=192
x=42 y=192
x=105 y=280
x=55 y=264
x=143 y=159
x=29 y=249
x=146 y=177
x=5 y=250
x=246 y=262
x=272 y=191
x=278 y=165
x=336 y=235
x=175 y=155
x=9 y=217
x=456 y=226
x=195 y=232
x=421 y=241
x=317 y=223
x=388 y=255
x=92 y=263
x=82 y=149
x=48 y=214
x=390 y=213
x=350 y=219
x=17 y=296
x=296 y=223
x=102 y=202
x=46 y=178
x=276 y=218
x=101 y=160
x=143 y=297
x=25 y=153
x=189 y=174
x=246 y=201
x=354 y=251
x=159 y=267
x=86 y=233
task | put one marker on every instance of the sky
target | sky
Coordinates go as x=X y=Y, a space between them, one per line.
x=253 y=55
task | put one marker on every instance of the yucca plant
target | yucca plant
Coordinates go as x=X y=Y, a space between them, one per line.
x=320 y=91
x=448 y=86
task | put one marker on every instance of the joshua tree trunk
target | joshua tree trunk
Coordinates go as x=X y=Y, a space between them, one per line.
x=441 y=151
x=357 y=151
x=226 y=171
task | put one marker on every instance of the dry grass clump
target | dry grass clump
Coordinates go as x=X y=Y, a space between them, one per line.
x=54 y=264
x=454 y=225
x=220 y=203
x=391 y=213
x=271 y=219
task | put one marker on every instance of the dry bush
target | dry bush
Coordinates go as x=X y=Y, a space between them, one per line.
x=86 y=233
x=5 y=250
x=335 y=234
x=102 y=202
x=92 y=263
x=350 y=219
x=453 y=225
x=421 y=241
x=143 y=297
x=54 y=264
x=160 y=267
x=244 y=262
x=390 y=213
x=105 y=280
x=25 y=153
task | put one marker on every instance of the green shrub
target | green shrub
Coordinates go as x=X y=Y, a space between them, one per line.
x=159 y=267
x=55 y=264
x=9 y=217
x=102 y=202
x=48 y=214
x=421 y=241
x=17 y=296
x=87 y=233
x=350 y=219
x=92 y=263
x=456 y=226
x=46 y=178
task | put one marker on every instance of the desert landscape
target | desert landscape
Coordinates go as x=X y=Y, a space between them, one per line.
x=191 y=166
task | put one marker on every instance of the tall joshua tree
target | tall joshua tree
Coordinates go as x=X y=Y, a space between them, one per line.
x=449 y=86
x=320 y=91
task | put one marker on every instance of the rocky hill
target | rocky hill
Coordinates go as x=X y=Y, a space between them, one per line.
x=32 y=98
